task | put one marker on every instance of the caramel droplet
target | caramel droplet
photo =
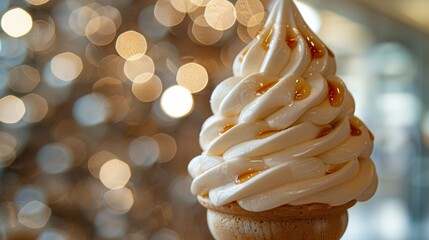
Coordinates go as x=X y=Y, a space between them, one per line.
x=264 y=88
x=336 y=93
x=243 y=55
x=267 y=40
x=332 y=168
x=317 y=48
x=225 y=128
x=268 y=133
x=330 y=53
x=302 y=89
x=355 y=123
x=246 y=176
x=291 y=38
x=325 y=131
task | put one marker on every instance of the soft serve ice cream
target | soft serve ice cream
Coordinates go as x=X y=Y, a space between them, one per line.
x=283 y=129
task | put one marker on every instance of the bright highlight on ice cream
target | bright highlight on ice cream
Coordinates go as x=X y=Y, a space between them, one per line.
x=283 y=129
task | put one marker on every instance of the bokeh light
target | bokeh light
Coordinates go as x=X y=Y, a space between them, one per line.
x=144 y=151
x=8 y=148
x=147 y=87
x=249 y=12
x=135 y=67
x=34 y=215
x=12 y=109
x=167 y=147
x=55 y=158
x=166 y=14
x=115 y=174
x=42 y=35
x=16 y=22
x=119 y=200
x=131 y=43
x=110 y=225
x=97 y=160
x=100 y=31
x=204 y=33
x=184 y=6
x=193 y=77
x=23 y=79
x=220 y=14
x=201 y=3
x=36 y=107
x=66 y=66
x=177 y=101
x=91 y=109
x=37 y=2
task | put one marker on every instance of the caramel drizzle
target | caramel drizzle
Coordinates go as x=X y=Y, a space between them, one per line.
x=291 y=38
x=317 y=49
x=267 y=40
x=355 y=124
x=325 y=131
x=243 y=54
x=371 y=136
x=335 y=93
x=264 y=88
x=332 y=168
x=225 y=128
x=302 y=89
x=246 y=176
x=268 y=133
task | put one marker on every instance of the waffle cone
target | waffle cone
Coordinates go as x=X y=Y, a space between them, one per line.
x=311 y=221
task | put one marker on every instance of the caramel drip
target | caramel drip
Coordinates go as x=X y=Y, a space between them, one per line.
x=291 y=38
x=225 y=128
x=268 y=133
x=332 y=168
x=336 y=93
x=243 y=55
x=317 y=49
x=267 y=40
x=302 y=89
x=246 y=176
x=355 y=123
x=325 y=131
x=264 y=88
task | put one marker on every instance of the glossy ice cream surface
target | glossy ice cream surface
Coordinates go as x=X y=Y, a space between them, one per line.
x=283 y=129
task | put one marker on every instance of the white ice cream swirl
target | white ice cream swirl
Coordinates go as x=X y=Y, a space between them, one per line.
x=283 y=129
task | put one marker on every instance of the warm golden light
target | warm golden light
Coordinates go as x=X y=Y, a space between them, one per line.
x=115 y=174
x=37 y=2
x=12 y=109
x=177 y=101
x=100 y=31
x=147 y=87
x=131 y=43
x=8 y=145
x=220 y=14
x=166 y=14
x=249 y=12
x=193 y=77
x=66 y=66
x=109 y=86
x=134 y=67
x=201 y=3
x=97 y=160
x=42 y=35
x=203 y=33
x=16 y=22
x=184 y=6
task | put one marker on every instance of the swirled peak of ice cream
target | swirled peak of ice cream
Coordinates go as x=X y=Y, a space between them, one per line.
x=283 y=129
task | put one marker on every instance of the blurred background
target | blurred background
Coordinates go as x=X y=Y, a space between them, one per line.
x=101 y=104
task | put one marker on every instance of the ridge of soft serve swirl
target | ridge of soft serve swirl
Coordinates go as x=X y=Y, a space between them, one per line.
x=283 y=129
